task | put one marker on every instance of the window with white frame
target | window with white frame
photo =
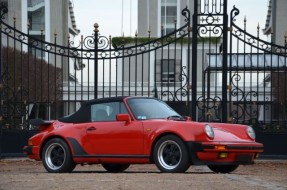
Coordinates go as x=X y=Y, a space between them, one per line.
x=168 y=70
x=168 y=15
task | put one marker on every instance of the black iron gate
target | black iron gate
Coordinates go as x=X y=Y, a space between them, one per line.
x=209 y=20
x=202 y=71
x=241 y=80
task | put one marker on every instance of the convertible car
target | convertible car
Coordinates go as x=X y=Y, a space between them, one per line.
x=116 y=132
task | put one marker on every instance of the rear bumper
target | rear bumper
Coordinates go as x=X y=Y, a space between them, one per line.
x=32 y=152
x=224 y=153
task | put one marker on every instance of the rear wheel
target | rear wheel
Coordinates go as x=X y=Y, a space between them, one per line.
x=56 y=156
x=115 y=168
x=171 y=155
x=223 y=168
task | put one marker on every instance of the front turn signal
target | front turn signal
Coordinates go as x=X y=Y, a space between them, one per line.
x=30 y=143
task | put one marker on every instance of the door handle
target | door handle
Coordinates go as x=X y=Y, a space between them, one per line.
x=91 y=129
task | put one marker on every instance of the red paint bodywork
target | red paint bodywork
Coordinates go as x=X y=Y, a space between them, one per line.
x=129 y=140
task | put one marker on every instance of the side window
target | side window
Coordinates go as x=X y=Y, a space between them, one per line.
x=107 y=111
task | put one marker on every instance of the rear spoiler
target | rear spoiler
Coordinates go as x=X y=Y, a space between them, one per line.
x=38 y=122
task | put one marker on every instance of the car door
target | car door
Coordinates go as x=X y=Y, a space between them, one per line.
x=108 y=137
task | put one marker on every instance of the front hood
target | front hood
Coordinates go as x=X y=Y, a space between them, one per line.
x=195 y=131
x=230 y=132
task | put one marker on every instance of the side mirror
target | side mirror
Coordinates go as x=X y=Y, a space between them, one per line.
x=124 y=117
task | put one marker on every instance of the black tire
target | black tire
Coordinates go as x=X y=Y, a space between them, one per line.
x=223 y=168
x=115 y=168
x=170 y=155
x=57 y=157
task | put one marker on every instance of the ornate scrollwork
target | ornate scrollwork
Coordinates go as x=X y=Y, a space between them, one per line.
x=48 y=48
x=130 y=51
x=202 y=30
x=255 y=41
x=234 y=12
x=103 y=42
x=62 y=51
x=182 y=91
x=209 y=107
x=169 y=39
x=167 y=93
x=89 y=42
x=88 y=54
x=22 y=37
x=209 y=103
x=244 y=100
x=217 y=31
x=156 y=44
x=3 y=11
x=186 y=13
x=251 y=41
x=116 y=53
x=7 y=31
x=103 y=55
x=210 y=30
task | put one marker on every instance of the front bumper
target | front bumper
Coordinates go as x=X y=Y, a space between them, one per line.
x=224 y=153
x=32 y=152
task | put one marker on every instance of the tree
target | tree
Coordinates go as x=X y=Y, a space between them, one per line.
x=26 y=80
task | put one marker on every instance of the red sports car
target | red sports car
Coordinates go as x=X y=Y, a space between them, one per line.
x=120 y=131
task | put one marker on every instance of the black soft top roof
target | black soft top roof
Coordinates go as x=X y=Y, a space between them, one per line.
x=104 y=100
x=83 y=115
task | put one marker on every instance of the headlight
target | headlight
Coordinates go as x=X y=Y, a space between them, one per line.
x=251 y=133
x=209 y=131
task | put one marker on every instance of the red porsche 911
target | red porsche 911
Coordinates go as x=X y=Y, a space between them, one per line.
x=116 y=132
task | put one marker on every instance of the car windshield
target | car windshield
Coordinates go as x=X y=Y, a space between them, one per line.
x=151 y=109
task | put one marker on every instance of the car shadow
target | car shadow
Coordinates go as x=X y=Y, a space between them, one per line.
x=139 y=172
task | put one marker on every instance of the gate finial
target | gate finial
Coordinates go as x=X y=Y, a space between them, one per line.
x=96 y=26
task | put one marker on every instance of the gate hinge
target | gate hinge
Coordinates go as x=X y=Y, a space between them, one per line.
x=230 y=120
x=229 y=87
x=189 y=29
x=230 y=29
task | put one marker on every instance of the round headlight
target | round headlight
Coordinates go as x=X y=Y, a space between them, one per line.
x=209 y=131
x=251 y=133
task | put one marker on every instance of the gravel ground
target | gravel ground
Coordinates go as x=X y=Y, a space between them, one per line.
x=27 y=174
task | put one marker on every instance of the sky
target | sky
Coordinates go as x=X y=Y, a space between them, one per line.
x=115 y=22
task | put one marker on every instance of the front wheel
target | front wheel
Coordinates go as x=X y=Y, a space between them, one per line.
x=223 y=168
x=171 y=155
x=56 y=156
x=115 y=168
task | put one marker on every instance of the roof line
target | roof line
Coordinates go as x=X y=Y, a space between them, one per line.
x=268 y=23
x=74 y=25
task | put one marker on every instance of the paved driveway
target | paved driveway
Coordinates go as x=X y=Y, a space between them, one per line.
x=27 y=174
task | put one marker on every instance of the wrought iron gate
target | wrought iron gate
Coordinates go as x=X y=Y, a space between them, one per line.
x=242 y=80
x=209 y=20
x=195 y=69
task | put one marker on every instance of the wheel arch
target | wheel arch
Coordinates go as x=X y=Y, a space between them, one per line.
x=48 y=139
x=159 y=137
